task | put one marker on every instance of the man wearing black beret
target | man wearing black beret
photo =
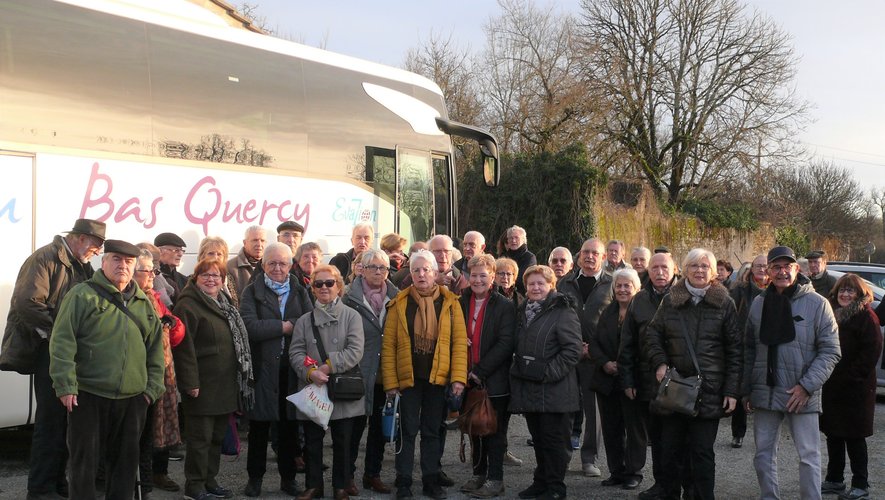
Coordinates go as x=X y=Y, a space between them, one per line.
x=171 y=251
x=291 y=233
x=107 y=367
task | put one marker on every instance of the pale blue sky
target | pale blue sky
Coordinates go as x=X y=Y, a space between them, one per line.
x=841 y=45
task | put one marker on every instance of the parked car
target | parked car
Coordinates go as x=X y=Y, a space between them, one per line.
x=874 y=273
x=878 y=293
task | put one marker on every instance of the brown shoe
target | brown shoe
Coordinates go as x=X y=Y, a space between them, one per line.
x=375 y=484
x=311 y=493
x=163 y=482
x=341 y=495
x=351 y=489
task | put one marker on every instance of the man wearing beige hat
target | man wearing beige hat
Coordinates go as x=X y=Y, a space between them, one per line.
x=107 y=367
x=43 y=281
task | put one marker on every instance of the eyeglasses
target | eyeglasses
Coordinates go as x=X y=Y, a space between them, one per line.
x=210 y=277
x=375 y=268
x=558 y=261
x=504 y=273
x=177 y=250
x=759 y=267
x=699 y=267
x=847 y=290
x=155 y=272
x=277 y=265
x=778 y=269
x=324 y=283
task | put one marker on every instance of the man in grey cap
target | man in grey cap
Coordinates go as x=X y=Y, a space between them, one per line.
x=43 y=281
x=107 y=367
x=171 y=251
x=291 y=233
x=821 y=280
x=792 y=346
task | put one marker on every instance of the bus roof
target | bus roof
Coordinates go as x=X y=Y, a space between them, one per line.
x=185 y=16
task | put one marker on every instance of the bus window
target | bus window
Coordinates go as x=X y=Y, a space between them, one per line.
x=442 y=194
x=414 y=194
x=381 y=172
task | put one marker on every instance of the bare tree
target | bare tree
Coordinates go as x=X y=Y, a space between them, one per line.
x=877 y=196
x=699 y=91
x=821 y=197
x=534 y=100
x=452 y=68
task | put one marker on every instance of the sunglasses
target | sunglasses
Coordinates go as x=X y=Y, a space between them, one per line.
x=324 y=283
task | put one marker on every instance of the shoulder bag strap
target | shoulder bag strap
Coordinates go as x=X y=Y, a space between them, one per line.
x=316 y=336
x=694 y=358
x=115 y=301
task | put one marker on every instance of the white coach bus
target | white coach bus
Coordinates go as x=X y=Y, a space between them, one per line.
x=155 y=116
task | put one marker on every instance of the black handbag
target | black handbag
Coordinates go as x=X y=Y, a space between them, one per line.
x=678 y=394
x=344 y=386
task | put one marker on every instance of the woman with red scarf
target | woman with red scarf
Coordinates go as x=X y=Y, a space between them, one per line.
x=491 y=320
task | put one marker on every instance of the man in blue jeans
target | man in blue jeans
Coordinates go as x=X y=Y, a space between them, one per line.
x=791 y=348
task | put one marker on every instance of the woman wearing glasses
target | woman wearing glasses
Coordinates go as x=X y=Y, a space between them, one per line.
x=849 y=395
x=754 y=282
x=424 y=350
x=270 y=306
x=340 y=330
x=506 y=271
x=697 y=310
x=368 y=295
x=216 y=248
x=213 y=365
x=161 y=430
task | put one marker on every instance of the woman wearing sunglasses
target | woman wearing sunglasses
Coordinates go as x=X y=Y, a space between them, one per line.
x=340 y=329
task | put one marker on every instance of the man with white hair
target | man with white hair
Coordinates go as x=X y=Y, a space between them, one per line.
x=361 y=238
x=516 y=248
x=473 y=244
x=448 y=275
x=107 y=367
x=243 y=266
x=639 y=258
x=560 y=260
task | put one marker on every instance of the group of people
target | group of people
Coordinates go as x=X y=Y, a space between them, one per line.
x=142 y=357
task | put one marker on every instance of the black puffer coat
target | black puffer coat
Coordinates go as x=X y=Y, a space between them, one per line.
x=712 y=326
x=634 y=368
x=496 y=342
x=554 y=337
x=260 y=310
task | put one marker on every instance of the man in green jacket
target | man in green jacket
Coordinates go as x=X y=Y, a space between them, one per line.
x=106 y=364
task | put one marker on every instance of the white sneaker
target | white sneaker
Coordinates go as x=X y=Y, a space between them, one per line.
x=590 y=470
x=512 y=460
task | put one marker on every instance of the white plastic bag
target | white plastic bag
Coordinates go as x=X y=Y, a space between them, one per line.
x=313 y=401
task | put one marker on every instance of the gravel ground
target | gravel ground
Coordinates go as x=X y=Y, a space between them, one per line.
x=735 y=477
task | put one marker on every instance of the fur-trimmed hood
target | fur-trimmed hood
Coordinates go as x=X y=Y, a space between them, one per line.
x=716 y=296
x=847 y=313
